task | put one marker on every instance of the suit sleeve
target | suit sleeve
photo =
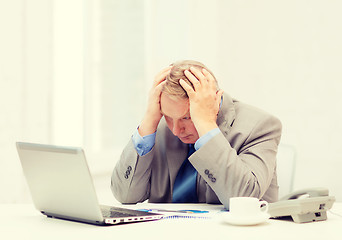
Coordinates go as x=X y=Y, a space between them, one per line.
x=247 y=168
x=130 y=182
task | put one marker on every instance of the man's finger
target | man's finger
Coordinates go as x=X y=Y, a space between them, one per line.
x=166 y=69
x=198 y=74
x=195 y=82
x=162 y=75
x=189 y=90
x=160 y=86
x=207 y=74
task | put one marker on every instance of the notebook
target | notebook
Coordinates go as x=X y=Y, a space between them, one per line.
x=61 y=186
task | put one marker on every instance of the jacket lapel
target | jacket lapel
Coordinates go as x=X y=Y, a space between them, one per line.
x=226 y=115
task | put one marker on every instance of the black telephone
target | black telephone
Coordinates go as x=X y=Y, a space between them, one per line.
x=307 y=205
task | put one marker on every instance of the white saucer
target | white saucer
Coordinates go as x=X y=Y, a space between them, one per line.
x=246 y=220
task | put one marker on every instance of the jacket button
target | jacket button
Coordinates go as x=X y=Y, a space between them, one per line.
x=213 y=180
x=206 y=172
x=129 y=168
x=126 y=176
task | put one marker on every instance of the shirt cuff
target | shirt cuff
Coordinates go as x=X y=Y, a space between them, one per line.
x=206 y=137
x=143 y=145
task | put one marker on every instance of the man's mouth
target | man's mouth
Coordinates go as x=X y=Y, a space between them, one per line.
x=185 y=137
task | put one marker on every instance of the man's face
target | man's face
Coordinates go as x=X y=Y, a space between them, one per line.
x=176 y=112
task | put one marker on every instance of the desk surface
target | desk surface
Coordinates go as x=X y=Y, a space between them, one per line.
x=23 y=221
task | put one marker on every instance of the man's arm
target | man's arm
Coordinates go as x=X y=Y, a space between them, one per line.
x=246 y=172
x=143 y=145
x=153 y=114
x=130 y=178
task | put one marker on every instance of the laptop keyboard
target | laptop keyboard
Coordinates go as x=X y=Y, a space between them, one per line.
x=114 y=212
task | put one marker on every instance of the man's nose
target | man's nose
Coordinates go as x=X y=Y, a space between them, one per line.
x=176 y=128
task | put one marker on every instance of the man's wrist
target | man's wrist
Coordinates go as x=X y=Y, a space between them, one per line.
x=206 y=137
x=143 y=144
x=205 y=127
x=148 y=126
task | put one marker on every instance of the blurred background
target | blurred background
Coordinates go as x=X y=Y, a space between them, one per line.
x=77 y=73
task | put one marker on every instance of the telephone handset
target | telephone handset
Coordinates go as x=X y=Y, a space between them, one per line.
x=309 y=192
x=307 y=205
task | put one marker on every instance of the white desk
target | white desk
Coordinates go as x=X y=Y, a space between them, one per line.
x=20 y=221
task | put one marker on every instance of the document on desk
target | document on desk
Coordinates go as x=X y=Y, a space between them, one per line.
x=174 y=214
x=182 y=211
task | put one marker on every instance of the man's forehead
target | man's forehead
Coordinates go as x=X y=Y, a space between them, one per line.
x=174 y=107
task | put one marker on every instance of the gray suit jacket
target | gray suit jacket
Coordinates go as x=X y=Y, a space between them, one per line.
x=239 y=161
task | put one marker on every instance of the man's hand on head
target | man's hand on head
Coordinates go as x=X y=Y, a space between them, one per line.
x=204 y=99
x=153 y=114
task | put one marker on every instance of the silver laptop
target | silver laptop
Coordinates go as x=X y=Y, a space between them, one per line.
x=61 y=186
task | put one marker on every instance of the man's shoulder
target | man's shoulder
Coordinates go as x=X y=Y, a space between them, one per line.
x=250 y=123
x=249 y=119
x=250 y=113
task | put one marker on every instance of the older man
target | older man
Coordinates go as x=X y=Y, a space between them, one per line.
x=197 y=144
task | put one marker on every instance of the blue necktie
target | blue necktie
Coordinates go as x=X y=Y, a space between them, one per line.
x=185 y=186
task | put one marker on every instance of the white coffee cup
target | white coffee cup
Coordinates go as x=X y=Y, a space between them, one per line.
x=247 y=206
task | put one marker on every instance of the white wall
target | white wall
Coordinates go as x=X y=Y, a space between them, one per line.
x=25 y=70
x=67 y=67
x=41 y=77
